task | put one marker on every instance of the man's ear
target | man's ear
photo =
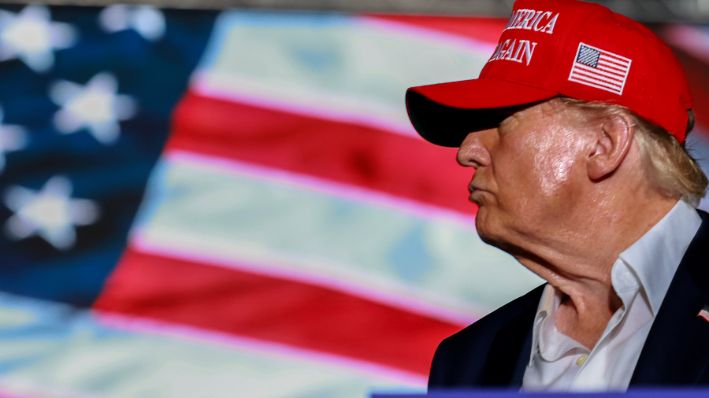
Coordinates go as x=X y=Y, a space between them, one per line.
x=612 y=141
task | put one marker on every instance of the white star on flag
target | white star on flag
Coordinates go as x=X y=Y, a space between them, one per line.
x=148 y=21
x=96 y=106
x=49 y=213
x=12 y=138
x=32 y=37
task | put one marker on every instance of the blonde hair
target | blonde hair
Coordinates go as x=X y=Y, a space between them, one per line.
x=668 y=164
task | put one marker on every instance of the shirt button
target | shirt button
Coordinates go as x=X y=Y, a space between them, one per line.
x=581 y=360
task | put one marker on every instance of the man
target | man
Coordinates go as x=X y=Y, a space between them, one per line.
x=575 y=130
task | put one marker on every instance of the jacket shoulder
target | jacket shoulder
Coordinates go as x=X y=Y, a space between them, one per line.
x=461 y=359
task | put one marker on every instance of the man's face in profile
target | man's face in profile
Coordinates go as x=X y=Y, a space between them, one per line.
x=527 y=171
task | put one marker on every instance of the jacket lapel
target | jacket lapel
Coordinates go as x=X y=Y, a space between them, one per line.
x=677 y=348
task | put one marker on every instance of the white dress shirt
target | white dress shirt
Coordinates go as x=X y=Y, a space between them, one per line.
x=640 y=276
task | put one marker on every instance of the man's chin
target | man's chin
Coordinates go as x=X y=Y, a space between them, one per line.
x=489 y=229
x=483 y=225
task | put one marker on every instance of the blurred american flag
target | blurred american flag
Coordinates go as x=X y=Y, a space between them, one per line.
x=234 y=204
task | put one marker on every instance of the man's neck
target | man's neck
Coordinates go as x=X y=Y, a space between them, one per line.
x=580 y=269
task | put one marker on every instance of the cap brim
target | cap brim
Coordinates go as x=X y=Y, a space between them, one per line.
x=445 y=113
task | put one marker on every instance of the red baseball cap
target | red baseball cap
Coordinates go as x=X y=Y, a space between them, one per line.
x=555 y=48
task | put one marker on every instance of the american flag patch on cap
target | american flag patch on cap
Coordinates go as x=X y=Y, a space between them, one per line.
x=704 y=313
x=600 y=69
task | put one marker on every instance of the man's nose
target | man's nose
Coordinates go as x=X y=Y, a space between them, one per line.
x=474 y=151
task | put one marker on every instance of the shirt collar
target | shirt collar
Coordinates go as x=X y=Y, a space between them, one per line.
x=545 y=308
x=552 y=343
x=654 y=257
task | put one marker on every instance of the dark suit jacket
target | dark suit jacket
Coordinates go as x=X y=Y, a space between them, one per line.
x=494 y=351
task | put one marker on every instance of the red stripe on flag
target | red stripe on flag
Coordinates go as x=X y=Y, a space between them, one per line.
x=348 y=153
x=271 y=309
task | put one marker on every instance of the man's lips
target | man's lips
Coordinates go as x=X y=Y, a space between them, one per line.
x=474 y=188
x=475 y=193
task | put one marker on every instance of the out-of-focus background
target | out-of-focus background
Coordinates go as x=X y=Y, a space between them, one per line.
x=209 y=199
